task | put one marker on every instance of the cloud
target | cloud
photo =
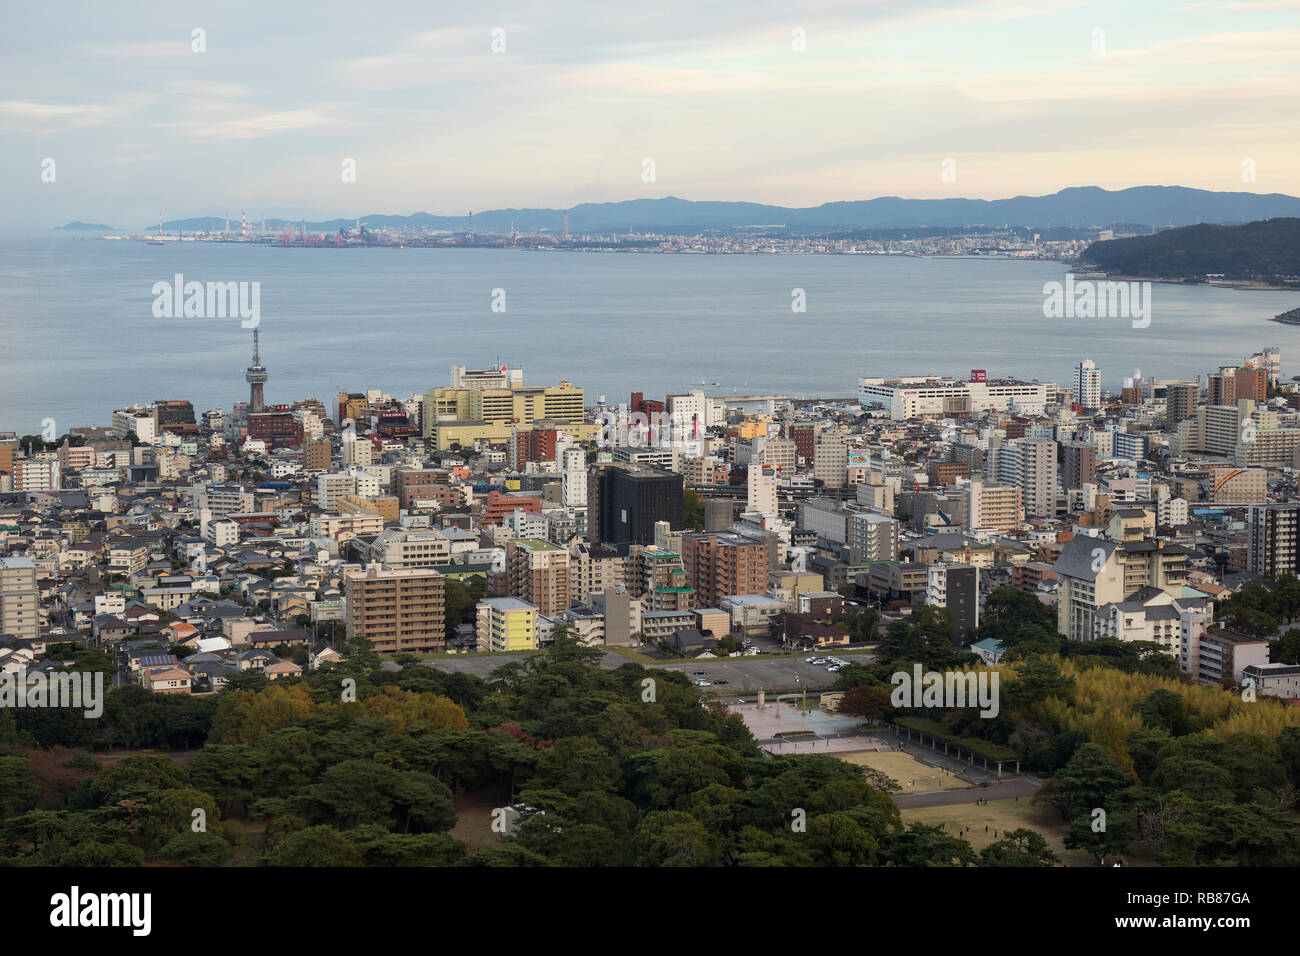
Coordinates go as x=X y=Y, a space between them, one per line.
x=260 y=126
x=217 y=90
x=51 y=117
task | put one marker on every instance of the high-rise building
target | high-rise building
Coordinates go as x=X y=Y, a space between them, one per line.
x=1270 y=360
x=762 y=490
x=316 y=455
x=719 y=565
x=593 y=569
x=495 y=377
x=1180 y=401
x=1093 y=572
x=461 y=416
x=278 y=428
x=573 y=477
x=412 y=485
x=831 y=459
x=397 y=610
x=872 y=537
x=1030 y=464
x=1272 y=539
x=625 y=501
x=19 y=599
x=1079 y=464
x=538 y=573
x=805 y=441
x=1251 y=383
x=1087 y=384
x=1222 y=389
x=955 y=587
x=175 y=416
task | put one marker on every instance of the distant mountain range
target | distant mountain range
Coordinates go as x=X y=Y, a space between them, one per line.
x=1083 y=206
x=1262 y=251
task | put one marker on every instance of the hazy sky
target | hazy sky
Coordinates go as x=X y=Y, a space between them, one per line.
x=1026 y=97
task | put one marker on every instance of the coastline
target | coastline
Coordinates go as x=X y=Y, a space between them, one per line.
x=1249 y=285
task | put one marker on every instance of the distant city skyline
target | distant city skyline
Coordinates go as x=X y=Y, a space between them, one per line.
x=836 y=101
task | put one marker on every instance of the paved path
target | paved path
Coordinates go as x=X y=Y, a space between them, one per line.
x=1022 y=787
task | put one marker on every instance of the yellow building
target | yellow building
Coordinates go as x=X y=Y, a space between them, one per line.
x=386 y=506
x=506 y=624
x=462 y=416
x=788 y=585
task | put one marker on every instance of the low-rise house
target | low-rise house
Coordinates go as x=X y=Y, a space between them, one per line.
x=167 y=680
x=282 y=669
x=255 y=659
x=271 y=638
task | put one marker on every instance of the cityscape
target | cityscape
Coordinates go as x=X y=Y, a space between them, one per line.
x=852 y=513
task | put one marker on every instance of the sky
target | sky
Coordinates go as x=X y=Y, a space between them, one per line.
x=730 y=101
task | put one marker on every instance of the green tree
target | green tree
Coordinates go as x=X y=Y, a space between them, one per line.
x=315 y=846
x=1020 y=847
x=19 y=789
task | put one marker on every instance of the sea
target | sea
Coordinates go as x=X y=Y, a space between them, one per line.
x=79 y=335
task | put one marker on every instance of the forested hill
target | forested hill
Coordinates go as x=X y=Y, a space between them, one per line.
x=1266 y=251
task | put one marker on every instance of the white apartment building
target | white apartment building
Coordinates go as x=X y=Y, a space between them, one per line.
x=762 y=490
x=995 y=507
x=37 y=474
x=1087 y=384
x=223 y=499
x=573 y=477
x=395 y=548
x=929 y=395
x=142 y=420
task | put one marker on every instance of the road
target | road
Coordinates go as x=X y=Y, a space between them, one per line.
x=1022 y=787
x=743 y=675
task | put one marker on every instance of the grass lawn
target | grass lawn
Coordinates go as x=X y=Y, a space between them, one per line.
x=1001 y=816
x=910 y=774
x=638 y=657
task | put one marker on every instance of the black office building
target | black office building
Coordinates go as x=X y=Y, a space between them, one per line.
x=624 y=502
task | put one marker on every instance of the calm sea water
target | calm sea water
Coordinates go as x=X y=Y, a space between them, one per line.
x=78 y=337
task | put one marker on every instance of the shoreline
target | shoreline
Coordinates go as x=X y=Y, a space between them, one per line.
x=1248 y=285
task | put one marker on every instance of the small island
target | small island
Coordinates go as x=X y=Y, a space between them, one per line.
x=78 y=226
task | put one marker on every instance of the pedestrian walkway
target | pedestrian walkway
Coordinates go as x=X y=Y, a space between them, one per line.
x=1022 y=787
